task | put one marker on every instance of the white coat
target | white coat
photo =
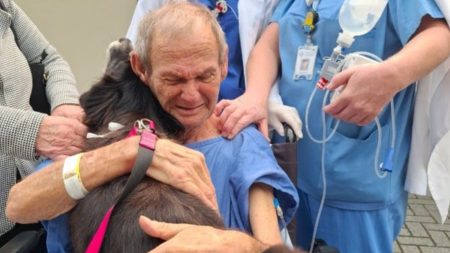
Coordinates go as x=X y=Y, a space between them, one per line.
x=429 y=159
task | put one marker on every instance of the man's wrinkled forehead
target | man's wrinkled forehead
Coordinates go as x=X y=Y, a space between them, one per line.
x=196 y=44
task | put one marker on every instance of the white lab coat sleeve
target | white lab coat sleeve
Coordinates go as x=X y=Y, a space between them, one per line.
x=142 y=7
x=254 y=16
x=444 y=5
x=439 y=164
x=429 y=166
x=439 y=175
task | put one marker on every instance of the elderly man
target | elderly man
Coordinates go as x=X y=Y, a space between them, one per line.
x=181 y=55
x=183 y=63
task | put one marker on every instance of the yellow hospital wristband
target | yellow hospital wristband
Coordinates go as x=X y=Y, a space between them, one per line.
x=72 y=178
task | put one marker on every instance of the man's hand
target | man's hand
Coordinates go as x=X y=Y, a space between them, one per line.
x=59 y=137
x=185 y=238
x=69 y=111
x=237 y=114
x=184 y=169
x=367 y=89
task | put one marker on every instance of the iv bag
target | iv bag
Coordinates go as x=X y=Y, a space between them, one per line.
x=358 y=17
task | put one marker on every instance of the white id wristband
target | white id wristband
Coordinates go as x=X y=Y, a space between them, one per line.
x=72 y=180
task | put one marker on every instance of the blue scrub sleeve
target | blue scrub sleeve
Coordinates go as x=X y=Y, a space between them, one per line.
x=406 y=18
x=257 y=164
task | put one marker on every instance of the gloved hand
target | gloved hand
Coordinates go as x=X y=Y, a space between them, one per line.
x=279 y=113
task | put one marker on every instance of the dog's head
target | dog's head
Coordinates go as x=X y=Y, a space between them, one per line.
x=118 y=57
x=120 y=96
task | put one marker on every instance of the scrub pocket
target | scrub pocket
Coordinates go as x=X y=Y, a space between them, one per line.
x=350 y=167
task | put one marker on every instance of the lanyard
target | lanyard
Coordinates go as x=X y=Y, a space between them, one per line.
x=312 y=4
x=307 y=54
x=311 y=18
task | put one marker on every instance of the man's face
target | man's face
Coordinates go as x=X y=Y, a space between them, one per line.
x=186 y=76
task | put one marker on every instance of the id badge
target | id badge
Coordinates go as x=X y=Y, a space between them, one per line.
x=306 y=60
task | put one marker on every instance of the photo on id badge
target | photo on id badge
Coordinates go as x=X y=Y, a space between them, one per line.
x=304 y=65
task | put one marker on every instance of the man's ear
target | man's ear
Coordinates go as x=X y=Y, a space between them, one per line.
x=137 y=66
x=224 y=64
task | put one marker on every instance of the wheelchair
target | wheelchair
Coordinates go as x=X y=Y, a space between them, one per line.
x=24 y=239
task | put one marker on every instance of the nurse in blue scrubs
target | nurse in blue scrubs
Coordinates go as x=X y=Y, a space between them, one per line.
x=362 y=212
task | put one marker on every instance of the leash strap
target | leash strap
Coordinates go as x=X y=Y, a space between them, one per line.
x=143 y=160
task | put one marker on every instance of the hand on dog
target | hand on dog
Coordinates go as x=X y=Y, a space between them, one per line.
x=69 y=111
x=193 y=238
x=59 y=137
x=184 y=169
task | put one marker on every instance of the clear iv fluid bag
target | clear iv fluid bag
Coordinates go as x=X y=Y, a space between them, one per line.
x=358 y=17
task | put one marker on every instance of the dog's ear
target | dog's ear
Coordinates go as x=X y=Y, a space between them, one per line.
x=118 y=57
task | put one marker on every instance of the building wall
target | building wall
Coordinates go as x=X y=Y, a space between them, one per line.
x=81 y=30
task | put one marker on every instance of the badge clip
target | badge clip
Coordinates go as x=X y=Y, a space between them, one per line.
x=309 y=24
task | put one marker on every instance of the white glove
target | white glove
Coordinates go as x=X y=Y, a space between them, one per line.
x=279 y=113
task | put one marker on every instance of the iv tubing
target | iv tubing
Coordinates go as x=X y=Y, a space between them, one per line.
x=322 y=168
x=326 y=138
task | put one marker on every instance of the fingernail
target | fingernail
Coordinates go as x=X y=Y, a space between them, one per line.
x=143 y=218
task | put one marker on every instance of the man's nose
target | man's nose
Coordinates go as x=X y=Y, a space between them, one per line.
x=190 y=91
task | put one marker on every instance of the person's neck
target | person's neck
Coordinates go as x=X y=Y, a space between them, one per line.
x=208 y=130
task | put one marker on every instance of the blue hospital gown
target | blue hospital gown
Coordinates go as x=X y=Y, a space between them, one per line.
x=237 y=164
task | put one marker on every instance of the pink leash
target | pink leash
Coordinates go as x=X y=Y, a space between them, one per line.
x=146 y=129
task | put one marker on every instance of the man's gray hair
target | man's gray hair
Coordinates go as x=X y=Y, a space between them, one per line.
x=172 y=20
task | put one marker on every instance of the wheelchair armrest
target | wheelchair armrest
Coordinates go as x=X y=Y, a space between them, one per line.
x=23 y=242
x=320 y=246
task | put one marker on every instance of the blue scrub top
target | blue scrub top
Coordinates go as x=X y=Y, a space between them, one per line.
x=349 y=155
x=233 y=86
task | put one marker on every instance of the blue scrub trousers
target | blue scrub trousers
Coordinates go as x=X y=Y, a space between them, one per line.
x=347 y=228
